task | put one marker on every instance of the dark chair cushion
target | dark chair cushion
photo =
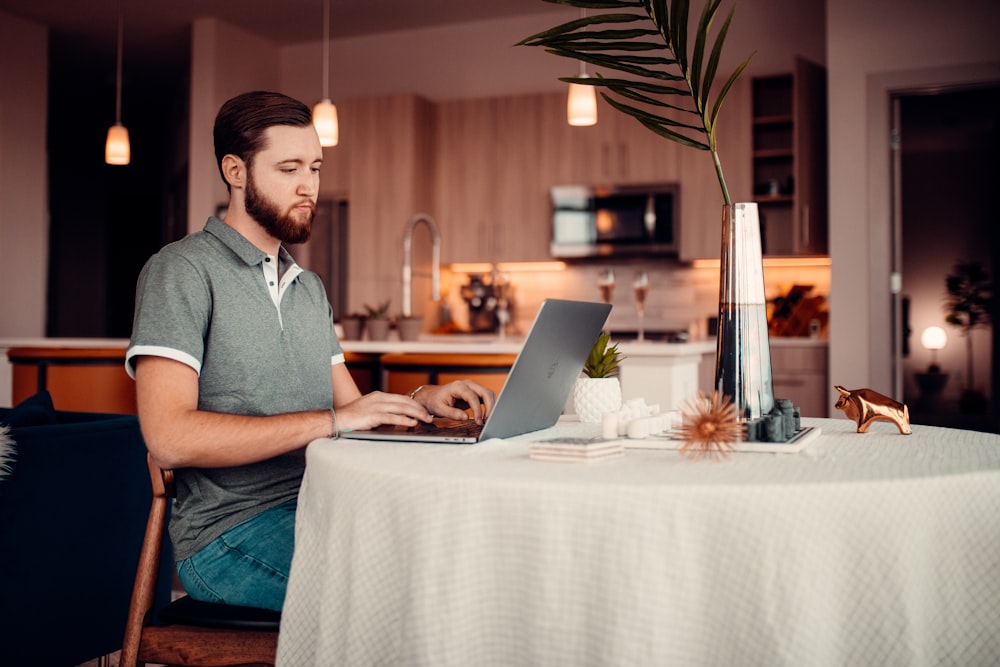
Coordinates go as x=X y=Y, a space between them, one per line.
x=34 y=411
x=72 y=517
x=188 y=611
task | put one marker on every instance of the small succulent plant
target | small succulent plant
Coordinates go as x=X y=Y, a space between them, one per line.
x=379 y=312
x=603 y=361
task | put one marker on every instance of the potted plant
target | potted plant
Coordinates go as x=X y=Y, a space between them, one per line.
x=666 y=83
x=970 y=293
x=377 y=321
x=599 y=391
x=352 y=325
x=409 y=326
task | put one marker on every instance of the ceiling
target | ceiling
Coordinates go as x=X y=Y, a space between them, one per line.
x=156 y=32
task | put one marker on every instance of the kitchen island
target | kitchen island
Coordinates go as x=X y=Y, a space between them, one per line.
x=665 y=374
x=662 y=373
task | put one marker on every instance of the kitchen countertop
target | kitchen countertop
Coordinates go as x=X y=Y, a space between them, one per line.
x=437 y=344
x=491 y=344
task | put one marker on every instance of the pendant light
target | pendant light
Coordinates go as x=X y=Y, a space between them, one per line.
x=325 y=113
x=117 y=149
x=581 y=104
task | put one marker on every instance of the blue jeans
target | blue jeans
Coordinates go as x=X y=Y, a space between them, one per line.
x=248 y=564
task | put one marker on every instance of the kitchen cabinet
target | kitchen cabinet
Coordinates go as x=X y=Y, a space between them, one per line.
x=383 y=168
x=700 y=233
x=404 y=372
x=365 y=369
x=491 y=201
x=799 y=372
x=497 y=159
x=84 y=379
x=790 y=160
x=483 y=169
x=617 y=150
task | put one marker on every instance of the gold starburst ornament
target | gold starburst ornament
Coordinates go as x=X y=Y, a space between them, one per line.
x=709 y=427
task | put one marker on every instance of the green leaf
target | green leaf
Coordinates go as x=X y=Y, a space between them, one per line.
x=600 y=41
x=602 y=361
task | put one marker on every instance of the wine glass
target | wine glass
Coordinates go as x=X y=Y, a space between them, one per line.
x=640 y=289
x=606 y=283
x=501 y=289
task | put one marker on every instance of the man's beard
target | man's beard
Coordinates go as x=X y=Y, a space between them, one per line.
x=281 y=226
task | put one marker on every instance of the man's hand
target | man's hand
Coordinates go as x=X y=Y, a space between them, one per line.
x=379 y=408
x=449 y=400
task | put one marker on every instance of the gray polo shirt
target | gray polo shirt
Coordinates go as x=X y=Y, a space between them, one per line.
x=260 y=346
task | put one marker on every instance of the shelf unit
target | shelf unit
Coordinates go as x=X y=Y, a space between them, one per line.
x=789 y=160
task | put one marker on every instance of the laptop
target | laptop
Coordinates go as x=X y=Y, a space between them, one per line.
x=536 y=389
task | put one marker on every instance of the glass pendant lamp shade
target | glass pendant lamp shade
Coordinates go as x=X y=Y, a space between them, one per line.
x=581 y=105
x=325 y=112
x=117 y=149
x=326 y=124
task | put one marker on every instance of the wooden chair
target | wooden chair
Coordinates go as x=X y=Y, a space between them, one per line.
x=189 y=632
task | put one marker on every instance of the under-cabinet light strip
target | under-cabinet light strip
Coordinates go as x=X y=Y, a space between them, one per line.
x=511 y=267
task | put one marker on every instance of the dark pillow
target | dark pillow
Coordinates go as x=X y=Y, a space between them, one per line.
x=34 y=411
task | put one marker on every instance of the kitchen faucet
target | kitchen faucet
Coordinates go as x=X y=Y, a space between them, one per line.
x=411 y=224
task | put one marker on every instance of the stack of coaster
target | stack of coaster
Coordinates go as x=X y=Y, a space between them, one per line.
x=575 y=450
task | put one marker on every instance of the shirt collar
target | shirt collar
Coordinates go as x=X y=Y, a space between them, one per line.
x=250 y=254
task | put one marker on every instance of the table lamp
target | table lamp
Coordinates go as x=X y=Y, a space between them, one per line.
x=933 y=381
x=933 y=339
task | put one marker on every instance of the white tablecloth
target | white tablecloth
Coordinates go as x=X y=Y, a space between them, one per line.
x=863 y=549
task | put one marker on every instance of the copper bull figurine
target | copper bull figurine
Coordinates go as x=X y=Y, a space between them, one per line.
x=866 y=406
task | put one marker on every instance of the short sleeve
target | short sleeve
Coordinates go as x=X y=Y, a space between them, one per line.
x=173 y=307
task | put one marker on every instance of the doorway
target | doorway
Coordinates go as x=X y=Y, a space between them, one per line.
x=944 y=173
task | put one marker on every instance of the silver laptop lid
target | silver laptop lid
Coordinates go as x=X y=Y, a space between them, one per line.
x=539 y=382
x=550 y=361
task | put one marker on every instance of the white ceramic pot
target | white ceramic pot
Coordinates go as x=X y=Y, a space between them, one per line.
x=593 y=397
x=409 y=328
x=377 y=329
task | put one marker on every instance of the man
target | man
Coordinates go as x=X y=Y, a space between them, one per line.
x=237 y=365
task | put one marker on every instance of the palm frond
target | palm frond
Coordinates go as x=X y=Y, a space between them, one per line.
x=664 y=76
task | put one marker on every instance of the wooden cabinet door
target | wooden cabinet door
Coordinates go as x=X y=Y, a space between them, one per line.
x=799 y=373
x=701 y=192
x=493 y=204
x=462 y=193
x=617 y=150
x=790 y=160
x=521 y=218
x=644 y=156
x=388 y=158
x=810 y=145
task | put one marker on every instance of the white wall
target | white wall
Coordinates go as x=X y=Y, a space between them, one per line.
x=225 y=61
x=874 y=48
x=479 y=59
x=24 y=221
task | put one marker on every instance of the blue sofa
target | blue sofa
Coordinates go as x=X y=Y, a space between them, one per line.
x=72 y=517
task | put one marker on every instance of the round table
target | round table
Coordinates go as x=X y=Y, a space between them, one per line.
x=873 y=548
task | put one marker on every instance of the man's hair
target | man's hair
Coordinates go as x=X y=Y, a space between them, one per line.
x=242 y=121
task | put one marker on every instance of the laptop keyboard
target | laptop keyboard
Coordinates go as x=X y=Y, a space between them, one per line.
x=456 y=427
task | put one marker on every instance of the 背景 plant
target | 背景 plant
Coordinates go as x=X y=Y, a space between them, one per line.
x=379 y=312
x=603 y=361
x=655 y=81
x=970 y=293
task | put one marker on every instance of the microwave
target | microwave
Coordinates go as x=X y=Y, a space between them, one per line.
x=614 y=220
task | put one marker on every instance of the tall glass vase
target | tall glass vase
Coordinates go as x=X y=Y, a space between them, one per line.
x=743 y=353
